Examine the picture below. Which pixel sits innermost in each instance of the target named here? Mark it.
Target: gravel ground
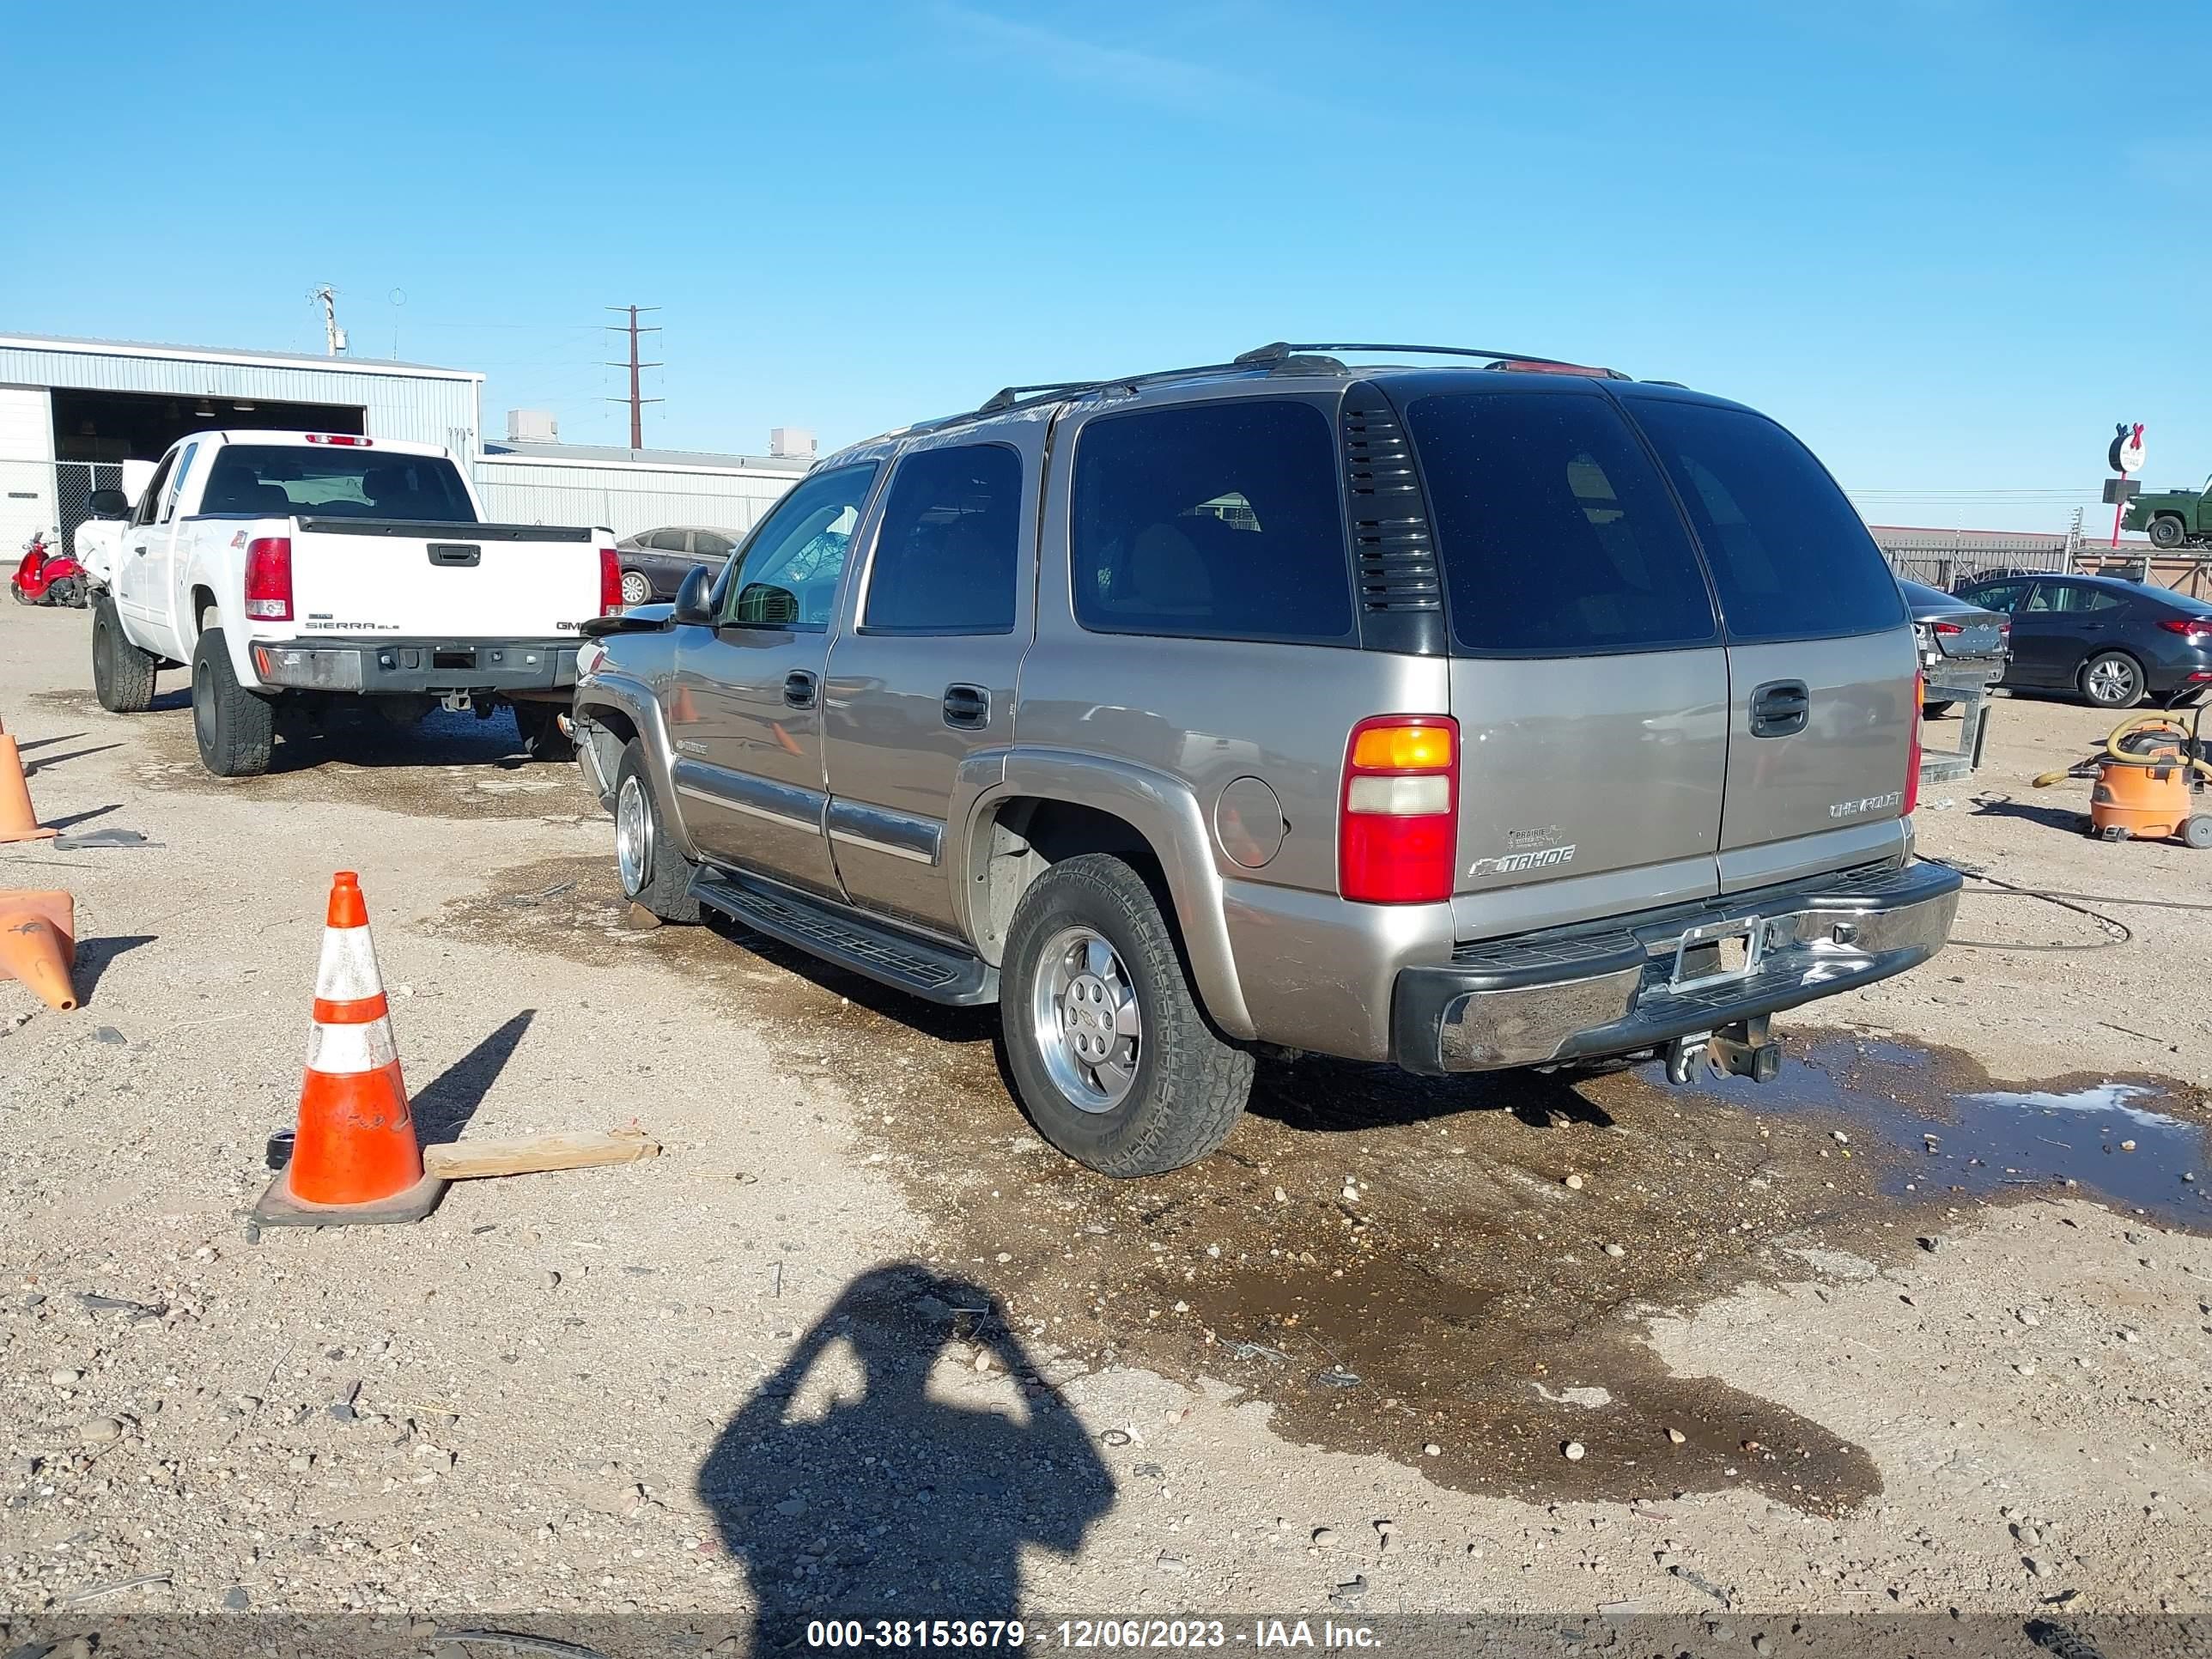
(1855, 1344)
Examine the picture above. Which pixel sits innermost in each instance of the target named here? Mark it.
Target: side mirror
(109, 504)
(692, 605)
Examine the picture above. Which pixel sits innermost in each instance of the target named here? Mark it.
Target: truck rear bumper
(415, 666)
(1533, 1001)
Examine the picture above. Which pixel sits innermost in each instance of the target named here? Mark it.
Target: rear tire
(236, 729)
(122, 674)
(1111, 1056)
(2167, 531)
(2111, 680)
(1935, 711)
(652, 871)
(538, 724)
(636, 587)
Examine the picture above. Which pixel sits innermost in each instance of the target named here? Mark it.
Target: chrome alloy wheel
(2112, 681)
(636, 589)
(1086, 1020)
(633, 835)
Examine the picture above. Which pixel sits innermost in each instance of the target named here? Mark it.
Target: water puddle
(2105, 1139)
(1393, 1263)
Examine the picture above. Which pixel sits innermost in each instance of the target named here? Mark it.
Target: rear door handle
(1780, 708)
(799, 687)
(968, 707)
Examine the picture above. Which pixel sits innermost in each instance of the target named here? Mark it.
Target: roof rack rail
(1280, 352)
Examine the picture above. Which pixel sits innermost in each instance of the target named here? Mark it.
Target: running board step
(868, 947)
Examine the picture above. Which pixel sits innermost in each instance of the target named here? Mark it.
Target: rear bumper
(1531, 1001)
(414, 666)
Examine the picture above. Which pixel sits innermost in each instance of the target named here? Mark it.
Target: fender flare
(1160, 808)
(635, 698)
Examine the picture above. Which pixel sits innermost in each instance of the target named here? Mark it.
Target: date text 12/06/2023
(1107, 1634)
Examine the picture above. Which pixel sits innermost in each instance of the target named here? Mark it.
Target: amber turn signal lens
(1402, 749)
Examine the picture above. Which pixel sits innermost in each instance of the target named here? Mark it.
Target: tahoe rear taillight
(1398, 824)
(269, 578)
(610, 582)
(1912, 753)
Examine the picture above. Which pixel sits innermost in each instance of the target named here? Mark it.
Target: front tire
(2167, 530)
(1111, 1053)
(538, 726)
(653, 872)
(2112, 679)
(1935, 711)
(636, 587)
(122, 674)
(236, 729)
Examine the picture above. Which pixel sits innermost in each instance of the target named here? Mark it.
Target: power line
(637, 402)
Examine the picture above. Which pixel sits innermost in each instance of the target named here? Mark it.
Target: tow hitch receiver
(1743, 1049)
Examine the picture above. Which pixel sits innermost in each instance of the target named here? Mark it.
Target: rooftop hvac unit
(794, 443)
(533, 425)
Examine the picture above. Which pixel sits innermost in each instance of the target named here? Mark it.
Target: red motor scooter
(47, 575)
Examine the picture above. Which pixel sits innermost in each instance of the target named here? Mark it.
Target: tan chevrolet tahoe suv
(1502, 714)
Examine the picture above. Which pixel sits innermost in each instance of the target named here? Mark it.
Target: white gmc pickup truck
(291, 567)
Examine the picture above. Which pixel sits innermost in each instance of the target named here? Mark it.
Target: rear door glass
(1790, 554)
(2000, 596)
(1557, 536)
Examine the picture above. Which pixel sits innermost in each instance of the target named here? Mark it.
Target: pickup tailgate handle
(968, 707)
(799, 689)
(1780, 708)
(456, 554)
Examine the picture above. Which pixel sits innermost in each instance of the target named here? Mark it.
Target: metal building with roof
(72, 411)
(628, 490)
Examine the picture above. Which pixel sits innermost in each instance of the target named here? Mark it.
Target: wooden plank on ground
(562, 1149)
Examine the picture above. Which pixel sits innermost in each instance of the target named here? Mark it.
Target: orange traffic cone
(17, 821)
(354, 1158)
(38, 943)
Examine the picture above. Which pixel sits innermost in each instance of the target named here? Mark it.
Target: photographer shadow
(865, 1492)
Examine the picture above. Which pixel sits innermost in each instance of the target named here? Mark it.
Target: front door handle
(1780, 708)
(798, 688)
(140, 549)
(967, 706)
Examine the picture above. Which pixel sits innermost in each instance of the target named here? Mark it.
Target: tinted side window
(2070, 599)
(1557, 535)
(789, 576)
(669, 541)
(1790, 554)
(1997, 596)
(946, 557)
(1211, 521)
(709, 544)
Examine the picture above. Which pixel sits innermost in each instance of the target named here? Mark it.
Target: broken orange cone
(38, 943)
(354, 1158)
(17, 821)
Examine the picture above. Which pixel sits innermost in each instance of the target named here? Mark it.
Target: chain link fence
(41, 497)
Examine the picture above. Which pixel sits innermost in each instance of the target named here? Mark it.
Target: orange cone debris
(17, 821)
(37, 944)
(354, 1158)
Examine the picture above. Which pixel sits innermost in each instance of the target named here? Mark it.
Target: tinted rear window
(284, 480)
(1557, 535)
(1211, 521)
(1790, 554)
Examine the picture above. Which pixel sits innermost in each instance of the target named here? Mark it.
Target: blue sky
(1949, 241)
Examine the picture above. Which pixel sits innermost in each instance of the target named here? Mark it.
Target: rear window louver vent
(1391, 544)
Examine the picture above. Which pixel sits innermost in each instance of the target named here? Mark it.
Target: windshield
(284, 481)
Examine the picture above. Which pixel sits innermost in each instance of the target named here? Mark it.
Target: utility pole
(334, 337)
(636, 401)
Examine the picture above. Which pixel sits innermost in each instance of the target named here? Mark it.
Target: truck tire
(233, 727)
(2167, 531)
(1111, 1056)
(2112, 679)
(122, 674)
(653, 872)
(538, 726)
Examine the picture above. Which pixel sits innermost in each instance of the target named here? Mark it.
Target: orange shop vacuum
(2149, 781)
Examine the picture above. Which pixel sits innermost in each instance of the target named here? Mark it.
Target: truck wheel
(653, 873)
(1110, 1054)
(2167, 531)
(2112, 679)
(235, 726)
(538, 726)
(122, 674)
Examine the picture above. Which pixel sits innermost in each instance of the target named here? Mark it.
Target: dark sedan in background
(655, 562)
(2105, 639)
